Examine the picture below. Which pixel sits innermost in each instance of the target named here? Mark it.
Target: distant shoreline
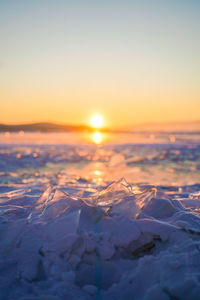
(179, 128)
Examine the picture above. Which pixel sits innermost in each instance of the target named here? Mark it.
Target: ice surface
(71, 228)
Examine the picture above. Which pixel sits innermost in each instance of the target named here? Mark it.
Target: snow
(64, 235)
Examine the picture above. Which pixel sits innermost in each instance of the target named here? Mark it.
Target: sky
(130, 61)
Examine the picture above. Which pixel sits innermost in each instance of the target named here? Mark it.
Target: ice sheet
(110, 222)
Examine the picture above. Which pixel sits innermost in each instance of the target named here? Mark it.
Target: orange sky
(130, 62)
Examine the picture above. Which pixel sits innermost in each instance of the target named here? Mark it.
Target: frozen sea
(100, 216)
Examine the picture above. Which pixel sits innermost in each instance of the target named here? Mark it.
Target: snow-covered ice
(111, 222)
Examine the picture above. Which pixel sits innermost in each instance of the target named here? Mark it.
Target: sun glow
(97, 121)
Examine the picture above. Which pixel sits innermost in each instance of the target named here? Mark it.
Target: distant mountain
(42, 127)
(146, 127)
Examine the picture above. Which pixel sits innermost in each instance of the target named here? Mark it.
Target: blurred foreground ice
(70, 228)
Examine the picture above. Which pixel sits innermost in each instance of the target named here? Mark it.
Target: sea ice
(64, 235)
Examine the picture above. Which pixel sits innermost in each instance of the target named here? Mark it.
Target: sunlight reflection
(97, 137)
(97, 174)
(172, 138)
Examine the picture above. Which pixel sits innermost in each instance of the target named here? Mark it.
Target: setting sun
(97, 121)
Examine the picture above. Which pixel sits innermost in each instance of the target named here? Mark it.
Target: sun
(96, 121)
